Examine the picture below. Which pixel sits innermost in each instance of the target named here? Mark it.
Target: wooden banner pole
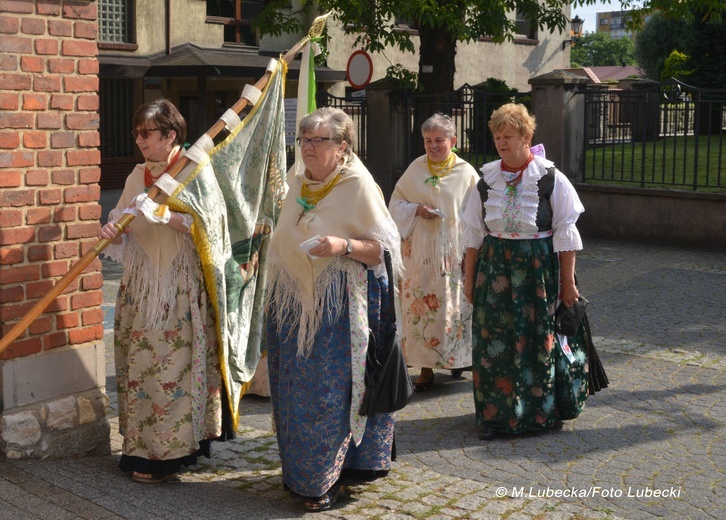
(315, 30)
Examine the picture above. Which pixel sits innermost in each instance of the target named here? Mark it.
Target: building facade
(201, 53)
(615, 24)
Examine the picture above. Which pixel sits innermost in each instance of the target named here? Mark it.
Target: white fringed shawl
(299, 287)
(438, 241)
(154, 256)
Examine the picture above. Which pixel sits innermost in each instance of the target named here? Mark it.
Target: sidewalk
(652, 445)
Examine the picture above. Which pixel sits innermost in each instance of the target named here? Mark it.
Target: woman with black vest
(521, 239)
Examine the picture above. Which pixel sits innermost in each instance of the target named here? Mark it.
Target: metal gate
(668, 135)
(357, 112)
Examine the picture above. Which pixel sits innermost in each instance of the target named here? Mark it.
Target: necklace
(149, 179)
(512, 184)
(439, 169)
(308, 198)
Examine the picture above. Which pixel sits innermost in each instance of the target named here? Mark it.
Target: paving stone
(659, 326)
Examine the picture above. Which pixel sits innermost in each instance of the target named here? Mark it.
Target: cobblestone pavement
(652, 445)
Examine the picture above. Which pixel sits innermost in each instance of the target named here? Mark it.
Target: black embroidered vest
(545, 186)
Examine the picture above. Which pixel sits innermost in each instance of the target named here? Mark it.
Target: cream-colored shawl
(299, 286)
(160, 244)
(438, 240)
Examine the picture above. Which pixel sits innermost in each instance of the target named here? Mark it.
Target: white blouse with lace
(515, 211)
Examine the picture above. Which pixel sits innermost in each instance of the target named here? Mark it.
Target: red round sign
(359, 69)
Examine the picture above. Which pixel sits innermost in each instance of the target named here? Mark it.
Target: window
(236, 16)
(525, 28)
(116, 110)
(604, 21)
(407, 22)
(115, 21)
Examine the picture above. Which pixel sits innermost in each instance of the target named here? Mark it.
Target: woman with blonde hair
(521, 237)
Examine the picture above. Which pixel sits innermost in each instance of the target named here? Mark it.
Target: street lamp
(576, 25)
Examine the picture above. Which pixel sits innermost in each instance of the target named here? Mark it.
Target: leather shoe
(326, 501)
(487, 434)
(557, 426)
(422, 387)
(457, 372)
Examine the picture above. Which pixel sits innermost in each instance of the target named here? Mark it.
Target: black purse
(388, 385)
(568, 319)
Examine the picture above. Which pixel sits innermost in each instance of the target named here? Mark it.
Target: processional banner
(235, 195)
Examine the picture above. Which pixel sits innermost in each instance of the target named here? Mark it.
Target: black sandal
(326, 501)
(422, 387)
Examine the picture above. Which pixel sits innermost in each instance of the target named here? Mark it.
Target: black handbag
(568, 319)
(388, 385)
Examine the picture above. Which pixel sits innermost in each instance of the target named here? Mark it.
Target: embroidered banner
(235, 195)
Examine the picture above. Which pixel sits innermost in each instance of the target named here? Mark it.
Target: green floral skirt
(522, 379)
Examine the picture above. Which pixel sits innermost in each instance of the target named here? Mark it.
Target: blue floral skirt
(311, 402)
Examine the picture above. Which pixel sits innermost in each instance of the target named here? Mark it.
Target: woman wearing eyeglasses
(327, 289)
(167, 367)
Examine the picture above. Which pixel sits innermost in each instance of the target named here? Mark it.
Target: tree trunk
(436, 60)
(436, 76)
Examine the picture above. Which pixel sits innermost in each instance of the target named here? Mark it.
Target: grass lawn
(680, 162)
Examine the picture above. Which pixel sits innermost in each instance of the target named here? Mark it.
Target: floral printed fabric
(435, 316)
(169, 381)
(436, 319)
(522, 380)
(311, 400)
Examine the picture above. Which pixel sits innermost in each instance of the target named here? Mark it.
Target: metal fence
(470, 108)
(668, 135)
(357, 112)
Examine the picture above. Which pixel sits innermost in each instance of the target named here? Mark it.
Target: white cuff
(251, 94)
(167, 184)
(199, 150)
(187, 220)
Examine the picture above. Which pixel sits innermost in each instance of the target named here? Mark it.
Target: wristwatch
(349, 248)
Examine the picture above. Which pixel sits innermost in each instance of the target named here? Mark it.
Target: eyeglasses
(144, 132)
(315, 141)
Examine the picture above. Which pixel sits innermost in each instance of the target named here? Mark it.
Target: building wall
(613, 22)
(52, 376)
(514, 63)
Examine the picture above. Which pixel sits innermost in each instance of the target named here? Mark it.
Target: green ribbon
(433, 179)
(304, 203)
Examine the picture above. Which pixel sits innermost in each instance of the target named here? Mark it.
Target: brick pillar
(52, 377)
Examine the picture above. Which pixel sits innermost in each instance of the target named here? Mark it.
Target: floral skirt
(522, 379)
(435, 316)
(169, 381)
(311, 404)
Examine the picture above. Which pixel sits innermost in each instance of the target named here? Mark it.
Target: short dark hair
(162, 113)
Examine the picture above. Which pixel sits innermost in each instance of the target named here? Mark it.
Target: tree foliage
(597, 49)
(702, 42)
(656, 40)
(442, 24)
(676, 66)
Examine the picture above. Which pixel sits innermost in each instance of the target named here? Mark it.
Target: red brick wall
(49, 170)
